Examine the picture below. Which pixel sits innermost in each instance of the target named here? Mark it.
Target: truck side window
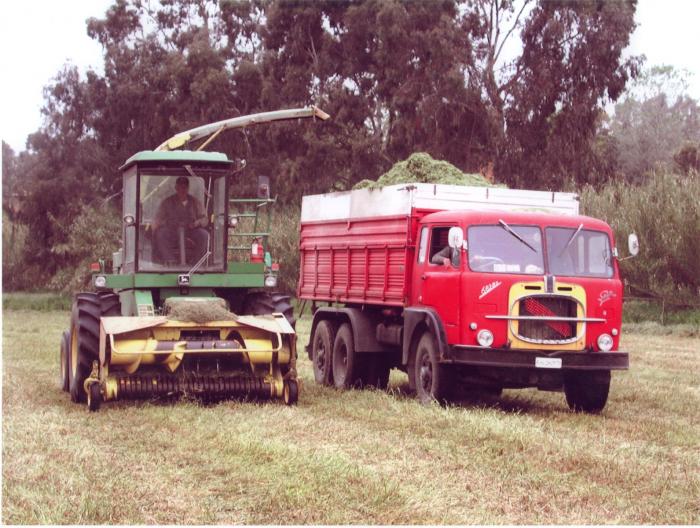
(423, 245)
(440, 248)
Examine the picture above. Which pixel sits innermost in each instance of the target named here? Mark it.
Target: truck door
(435, 283)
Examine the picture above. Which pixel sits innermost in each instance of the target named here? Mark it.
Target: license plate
(548, 362)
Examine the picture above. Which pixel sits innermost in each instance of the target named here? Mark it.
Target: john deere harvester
(189, 307)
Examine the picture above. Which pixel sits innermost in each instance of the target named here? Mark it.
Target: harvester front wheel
(94, 397)
(64, 380)
(85, 336)
(290, 392)
(263, 303)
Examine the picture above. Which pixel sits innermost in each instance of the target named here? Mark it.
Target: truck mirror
(633, 244)
(455, 237)
(263, 187)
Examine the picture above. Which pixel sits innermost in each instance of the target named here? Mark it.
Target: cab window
(423, 245)
(440, 248)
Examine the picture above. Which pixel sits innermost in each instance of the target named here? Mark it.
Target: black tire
(85, 336)
(290, 392)
(587, 391)
(63, 358)
(376, 371)
(432, 378)
(344, 364)
(264, 303)
(322, 352)
(94, 397)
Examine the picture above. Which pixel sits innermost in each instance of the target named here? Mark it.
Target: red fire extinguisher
(257, 251)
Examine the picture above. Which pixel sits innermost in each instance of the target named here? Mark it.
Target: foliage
(38, 301)
(397, 76)
(687, 158)
(422, 168)
(284, 246)
(665, 214)
(656, 125)
(94, 234)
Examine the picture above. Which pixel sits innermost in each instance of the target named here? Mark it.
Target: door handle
(423, 277)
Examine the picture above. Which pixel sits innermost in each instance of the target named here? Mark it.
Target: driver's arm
(441, 256)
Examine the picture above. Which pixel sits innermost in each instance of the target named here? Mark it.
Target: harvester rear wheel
(263, 303)
(64, 380)
(85, 336)
(322, 351)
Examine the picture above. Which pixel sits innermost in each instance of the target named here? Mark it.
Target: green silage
(421, 167)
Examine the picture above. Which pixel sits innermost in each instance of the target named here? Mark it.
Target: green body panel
(166, 293)
(169, 280)
(245, 267)
(143, 299)
(176, 155)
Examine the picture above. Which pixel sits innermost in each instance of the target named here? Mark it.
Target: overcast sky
(36, 41)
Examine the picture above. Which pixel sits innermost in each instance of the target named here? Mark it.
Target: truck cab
(521, 281)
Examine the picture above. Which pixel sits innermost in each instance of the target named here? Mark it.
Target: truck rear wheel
(432, 378)
(64, 380)
(85, 336)
(322, 351)
(344, 364)
(587, 391)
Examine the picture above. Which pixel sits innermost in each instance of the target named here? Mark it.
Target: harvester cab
(189, 307)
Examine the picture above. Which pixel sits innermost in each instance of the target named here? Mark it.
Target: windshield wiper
(571, 239)
(516, 235)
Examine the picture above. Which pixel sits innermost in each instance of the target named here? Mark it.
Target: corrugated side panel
(362, 261)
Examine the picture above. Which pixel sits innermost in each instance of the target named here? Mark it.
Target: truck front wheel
(322, 351)
(587, 391)
(432, 378)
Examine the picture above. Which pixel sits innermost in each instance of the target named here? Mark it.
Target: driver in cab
(180, 210)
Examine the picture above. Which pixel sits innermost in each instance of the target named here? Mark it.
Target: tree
(544, 104)
(650, 127)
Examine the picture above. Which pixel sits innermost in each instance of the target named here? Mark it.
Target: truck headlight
(232, 220)
(485, 338)
(100, 281)
(605, 342)
(270, 281)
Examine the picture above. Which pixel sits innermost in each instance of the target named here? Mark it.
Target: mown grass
(351, 457)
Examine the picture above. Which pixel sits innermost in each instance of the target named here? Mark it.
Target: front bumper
(494, 357)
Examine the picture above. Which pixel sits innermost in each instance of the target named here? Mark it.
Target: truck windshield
(501, 249)
(579, 252)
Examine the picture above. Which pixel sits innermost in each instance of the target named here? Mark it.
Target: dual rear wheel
(336, 361)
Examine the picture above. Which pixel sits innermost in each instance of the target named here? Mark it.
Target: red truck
(479, 288)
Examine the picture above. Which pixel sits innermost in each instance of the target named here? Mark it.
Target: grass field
(351, 457)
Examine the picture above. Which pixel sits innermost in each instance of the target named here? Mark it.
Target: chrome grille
(545, 330)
